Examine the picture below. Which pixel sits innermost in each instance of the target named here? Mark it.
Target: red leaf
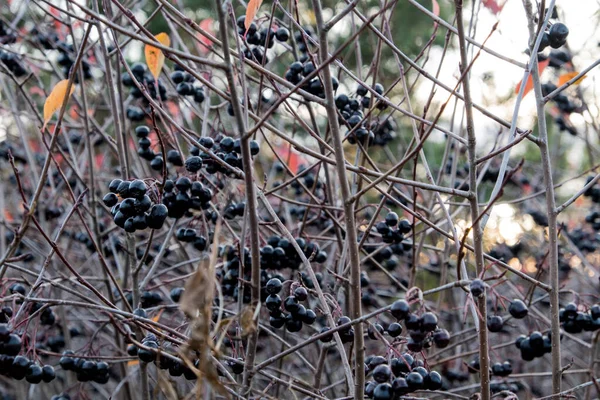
(436, 10)
(494, 6)
(529, 85)
(205, 42)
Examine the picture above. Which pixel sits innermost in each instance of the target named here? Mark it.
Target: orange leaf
(56, 98)
(253, 6)
(564, 78)
(154, 56)
(529, 85)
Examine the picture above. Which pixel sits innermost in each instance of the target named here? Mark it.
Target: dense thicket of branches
(295, 205)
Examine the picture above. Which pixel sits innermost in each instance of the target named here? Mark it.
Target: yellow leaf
(56, 99)
(564, 78)
(155, 59)
(253, 6)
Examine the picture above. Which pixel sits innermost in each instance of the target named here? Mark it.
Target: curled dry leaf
(56, 99)
(196, 302)
(247, 320)
(154, 56)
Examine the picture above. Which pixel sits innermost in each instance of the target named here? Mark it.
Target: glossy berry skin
(394, 329)
(402, 365)
(282, 34)
(495, 323)
(477, 288)
(174, 158)
(415, 381)
(433, 381)
(518, 309)
(382, 373)
(400, 386)
(34, 374)
(176, 293)
(326, 338)
(48, 373)
(383, 391)
(429, 322)
(391, 219)
(441, 338)
(400, 309)
(273, 286)
(110, 199)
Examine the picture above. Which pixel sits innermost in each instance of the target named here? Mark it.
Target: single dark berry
(273, 286)
(433, 381)
(382, 373)
(441, 338)
(176, 293)
(477, 287)
(394, 329)
(495, 323)
(110, 199)
(518, 309)
(400, 309)
(415, 381)
(174, 158)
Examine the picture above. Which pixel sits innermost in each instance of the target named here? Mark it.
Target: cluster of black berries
(382, 255)
(188, 235)
(310, 180)
(406, 375)
(563, 103)
(183, 194)
(136, 211)
(149, 354)
(594, 194)
(234, 210)
(19, 367)
(574, 321)
(502, 369)
(279, 253)
(380, 131)
(534, 346)
(185, 84)
(144, 150)
(423, 330)
(298, 72)
(585, 240)
(346, 334)
(7, 35)
(298, 313)
(11, 61)
(85, 369)
(392, 230)
(145, 79)
(10, 343)
(260, 41)
(555, 37)
(227, 149)
(150, 299)
(66, 54)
